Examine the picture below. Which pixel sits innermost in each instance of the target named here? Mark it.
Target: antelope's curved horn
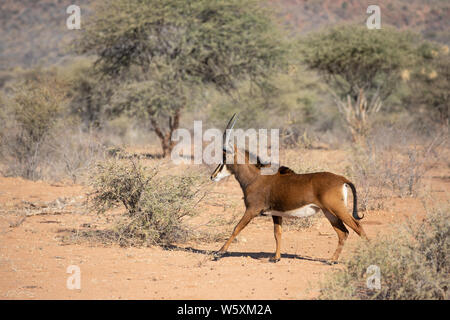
(227, 132)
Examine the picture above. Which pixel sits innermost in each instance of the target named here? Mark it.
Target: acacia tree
(362, 66)
(430, 86)
(158, 51)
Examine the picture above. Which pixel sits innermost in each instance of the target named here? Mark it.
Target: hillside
(429, 17)
(33, 32)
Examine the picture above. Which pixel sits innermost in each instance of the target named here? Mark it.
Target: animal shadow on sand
(253, 255)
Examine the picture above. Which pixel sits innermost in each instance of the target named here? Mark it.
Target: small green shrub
(155, 205)
(39, 140)
(414, 264)
(31, 116)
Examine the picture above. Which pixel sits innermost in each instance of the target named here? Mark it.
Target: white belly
(302, 212)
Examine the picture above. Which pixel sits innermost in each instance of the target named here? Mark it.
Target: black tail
(355, 202)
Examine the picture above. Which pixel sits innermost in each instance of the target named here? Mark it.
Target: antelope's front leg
(248, 216)
(277, 222)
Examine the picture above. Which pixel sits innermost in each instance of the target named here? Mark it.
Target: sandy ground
(34, 260)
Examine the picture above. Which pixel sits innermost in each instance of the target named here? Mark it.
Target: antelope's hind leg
(337, 213)
(341, 231)
(277, 230)
(354, 225)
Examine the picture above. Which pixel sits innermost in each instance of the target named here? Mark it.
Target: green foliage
(157, 52)
(30, 117)
(362, 66)
(413, 262)
(353, 57)
(289, 101)
(89, 93)
(212, 41)
(36, 109)
(40, 138)
(155, 206)
(431, 86)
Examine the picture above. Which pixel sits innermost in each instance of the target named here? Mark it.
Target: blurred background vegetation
(139, 69)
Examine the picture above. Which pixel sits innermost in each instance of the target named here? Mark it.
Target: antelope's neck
(246, 174)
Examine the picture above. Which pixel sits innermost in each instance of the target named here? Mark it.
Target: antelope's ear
(261, 164)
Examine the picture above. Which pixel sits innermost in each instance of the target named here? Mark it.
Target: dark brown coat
(285, 192)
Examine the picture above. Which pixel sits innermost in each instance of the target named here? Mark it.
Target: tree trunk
(165, 136)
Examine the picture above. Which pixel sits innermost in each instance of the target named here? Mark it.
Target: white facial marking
(222, 174)
(302, 212)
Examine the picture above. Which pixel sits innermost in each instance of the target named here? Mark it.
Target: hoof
(217, 255)
(274, 260)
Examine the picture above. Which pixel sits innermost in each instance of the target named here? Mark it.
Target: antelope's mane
(261, 164)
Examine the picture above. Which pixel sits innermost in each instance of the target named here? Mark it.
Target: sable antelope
(287, 194)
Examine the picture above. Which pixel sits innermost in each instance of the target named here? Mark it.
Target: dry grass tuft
(155, 206)
(413, 263)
